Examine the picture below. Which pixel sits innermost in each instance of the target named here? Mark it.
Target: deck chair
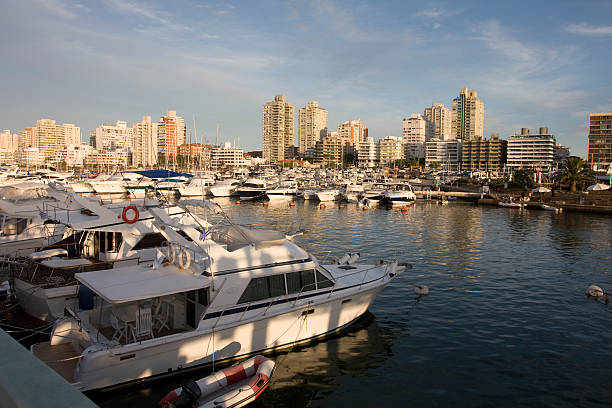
(160, 318)
(120, 329)
(142, 329)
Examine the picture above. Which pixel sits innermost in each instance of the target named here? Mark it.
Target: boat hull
(313, 319)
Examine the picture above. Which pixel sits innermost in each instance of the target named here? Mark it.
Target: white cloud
(436, 26)
(148, 12)
(437, 13)
(585, 29)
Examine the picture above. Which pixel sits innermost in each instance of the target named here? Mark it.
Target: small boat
(548, 208)
(236, 386)
(510, 204)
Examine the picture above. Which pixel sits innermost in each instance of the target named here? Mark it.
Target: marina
(506, 309)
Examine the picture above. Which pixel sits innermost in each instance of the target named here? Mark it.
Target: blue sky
(533, 63)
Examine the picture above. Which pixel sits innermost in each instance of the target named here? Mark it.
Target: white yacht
(251, 188)
(225, 188)
(286, 190)
(223, 293)
(399, 194)
(328, 195)
(197, 187)
(352, 192)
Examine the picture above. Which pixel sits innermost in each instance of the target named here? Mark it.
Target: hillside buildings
(467, 116)
(600, 140)
(278, 129)
(531, 150)
(312, 125)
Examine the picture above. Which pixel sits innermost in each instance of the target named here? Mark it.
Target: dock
(27, 382)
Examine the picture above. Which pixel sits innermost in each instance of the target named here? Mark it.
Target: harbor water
(506, 322)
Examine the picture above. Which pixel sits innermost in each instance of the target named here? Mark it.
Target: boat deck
(62, 358)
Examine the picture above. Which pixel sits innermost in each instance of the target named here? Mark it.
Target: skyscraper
(50, 138)
(278, 129)
(312, 121)
(144, 153)
(354, 131)
(171, 133)
(111, 137)
(439, 122)
(413, 135)
(600, 140)
(467, 116)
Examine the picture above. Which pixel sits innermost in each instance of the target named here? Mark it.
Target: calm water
(506, 322)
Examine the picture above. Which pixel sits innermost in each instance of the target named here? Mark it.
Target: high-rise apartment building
(312, 125)
(483, 155)
(171, 133)
(390, 149)
(278, 129)
(353, 131)
(367, 153)
(111, 137)
(439, 122)
(467, 116)
(531, 151)
(445, 153)
(332, 149)
(414, 131)
(144, 150)
(600, 140)
(49, 137)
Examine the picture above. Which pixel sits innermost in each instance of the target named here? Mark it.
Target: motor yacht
(225, 188)
(251, 188)
(215, 294)
(399, 194)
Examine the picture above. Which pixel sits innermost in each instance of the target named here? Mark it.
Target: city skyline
(90, 64)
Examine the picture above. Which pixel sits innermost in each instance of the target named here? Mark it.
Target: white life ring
(184, 259)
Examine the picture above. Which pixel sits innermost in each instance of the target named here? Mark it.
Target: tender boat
(235, 387)
(214, 294)
(510, 204)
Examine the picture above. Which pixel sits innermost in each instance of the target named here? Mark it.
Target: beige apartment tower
(312, 123)
(439, 122)
(467, 116)
(278, 129)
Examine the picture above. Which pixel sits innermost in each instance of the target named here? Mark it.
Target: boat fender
(184, 259)
(594, 291)
(353, 258)
(134, 218)
(344, 258)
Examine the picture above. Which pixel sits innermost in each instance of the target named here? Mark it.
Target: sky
(533, 63)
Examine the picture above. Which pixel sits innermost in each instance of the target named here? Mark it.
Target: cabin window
(302, 281)
(263, 288)
(153, 240)
(323, 281)
(14, 226)
(109, 241)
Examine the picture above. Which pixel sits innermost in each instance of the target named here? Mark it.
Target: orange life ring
(124, 214)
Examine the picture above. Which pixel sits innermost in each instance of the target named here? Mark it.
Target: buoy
(101, 202)
(607, 299)
(237, 202)
(421, 290)
(341, 206)
(404, 209)
(594, 291)
(365, 207)
(266, 203)
(322, 205)
(291, 204)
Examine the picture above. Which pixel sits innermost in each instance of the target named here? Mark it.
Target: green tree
(401, 163)
(574, 173)
(434, 165)
(523, 178)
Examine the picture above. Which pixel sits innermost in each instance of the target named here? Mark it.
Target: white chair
(119, 327)
(143, 326)
(161, 316)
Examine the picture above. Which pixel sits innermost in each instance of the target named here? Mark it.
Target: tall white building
(144, 149)
(414, 131)
(467, 116)
(49, 137)
(367, 153)
(390, 149)
(353, 131)
(531, 151)
(446, 153)
(278, 132)
(312, 125)
(9, 144)
(111, 137)
(439, 121)
(75, 154)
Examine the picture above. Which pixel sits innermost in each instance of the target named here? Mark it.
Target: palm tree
(572, 172)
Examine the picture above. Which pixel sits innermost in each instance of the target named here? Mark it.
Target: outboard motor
(190, 393)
